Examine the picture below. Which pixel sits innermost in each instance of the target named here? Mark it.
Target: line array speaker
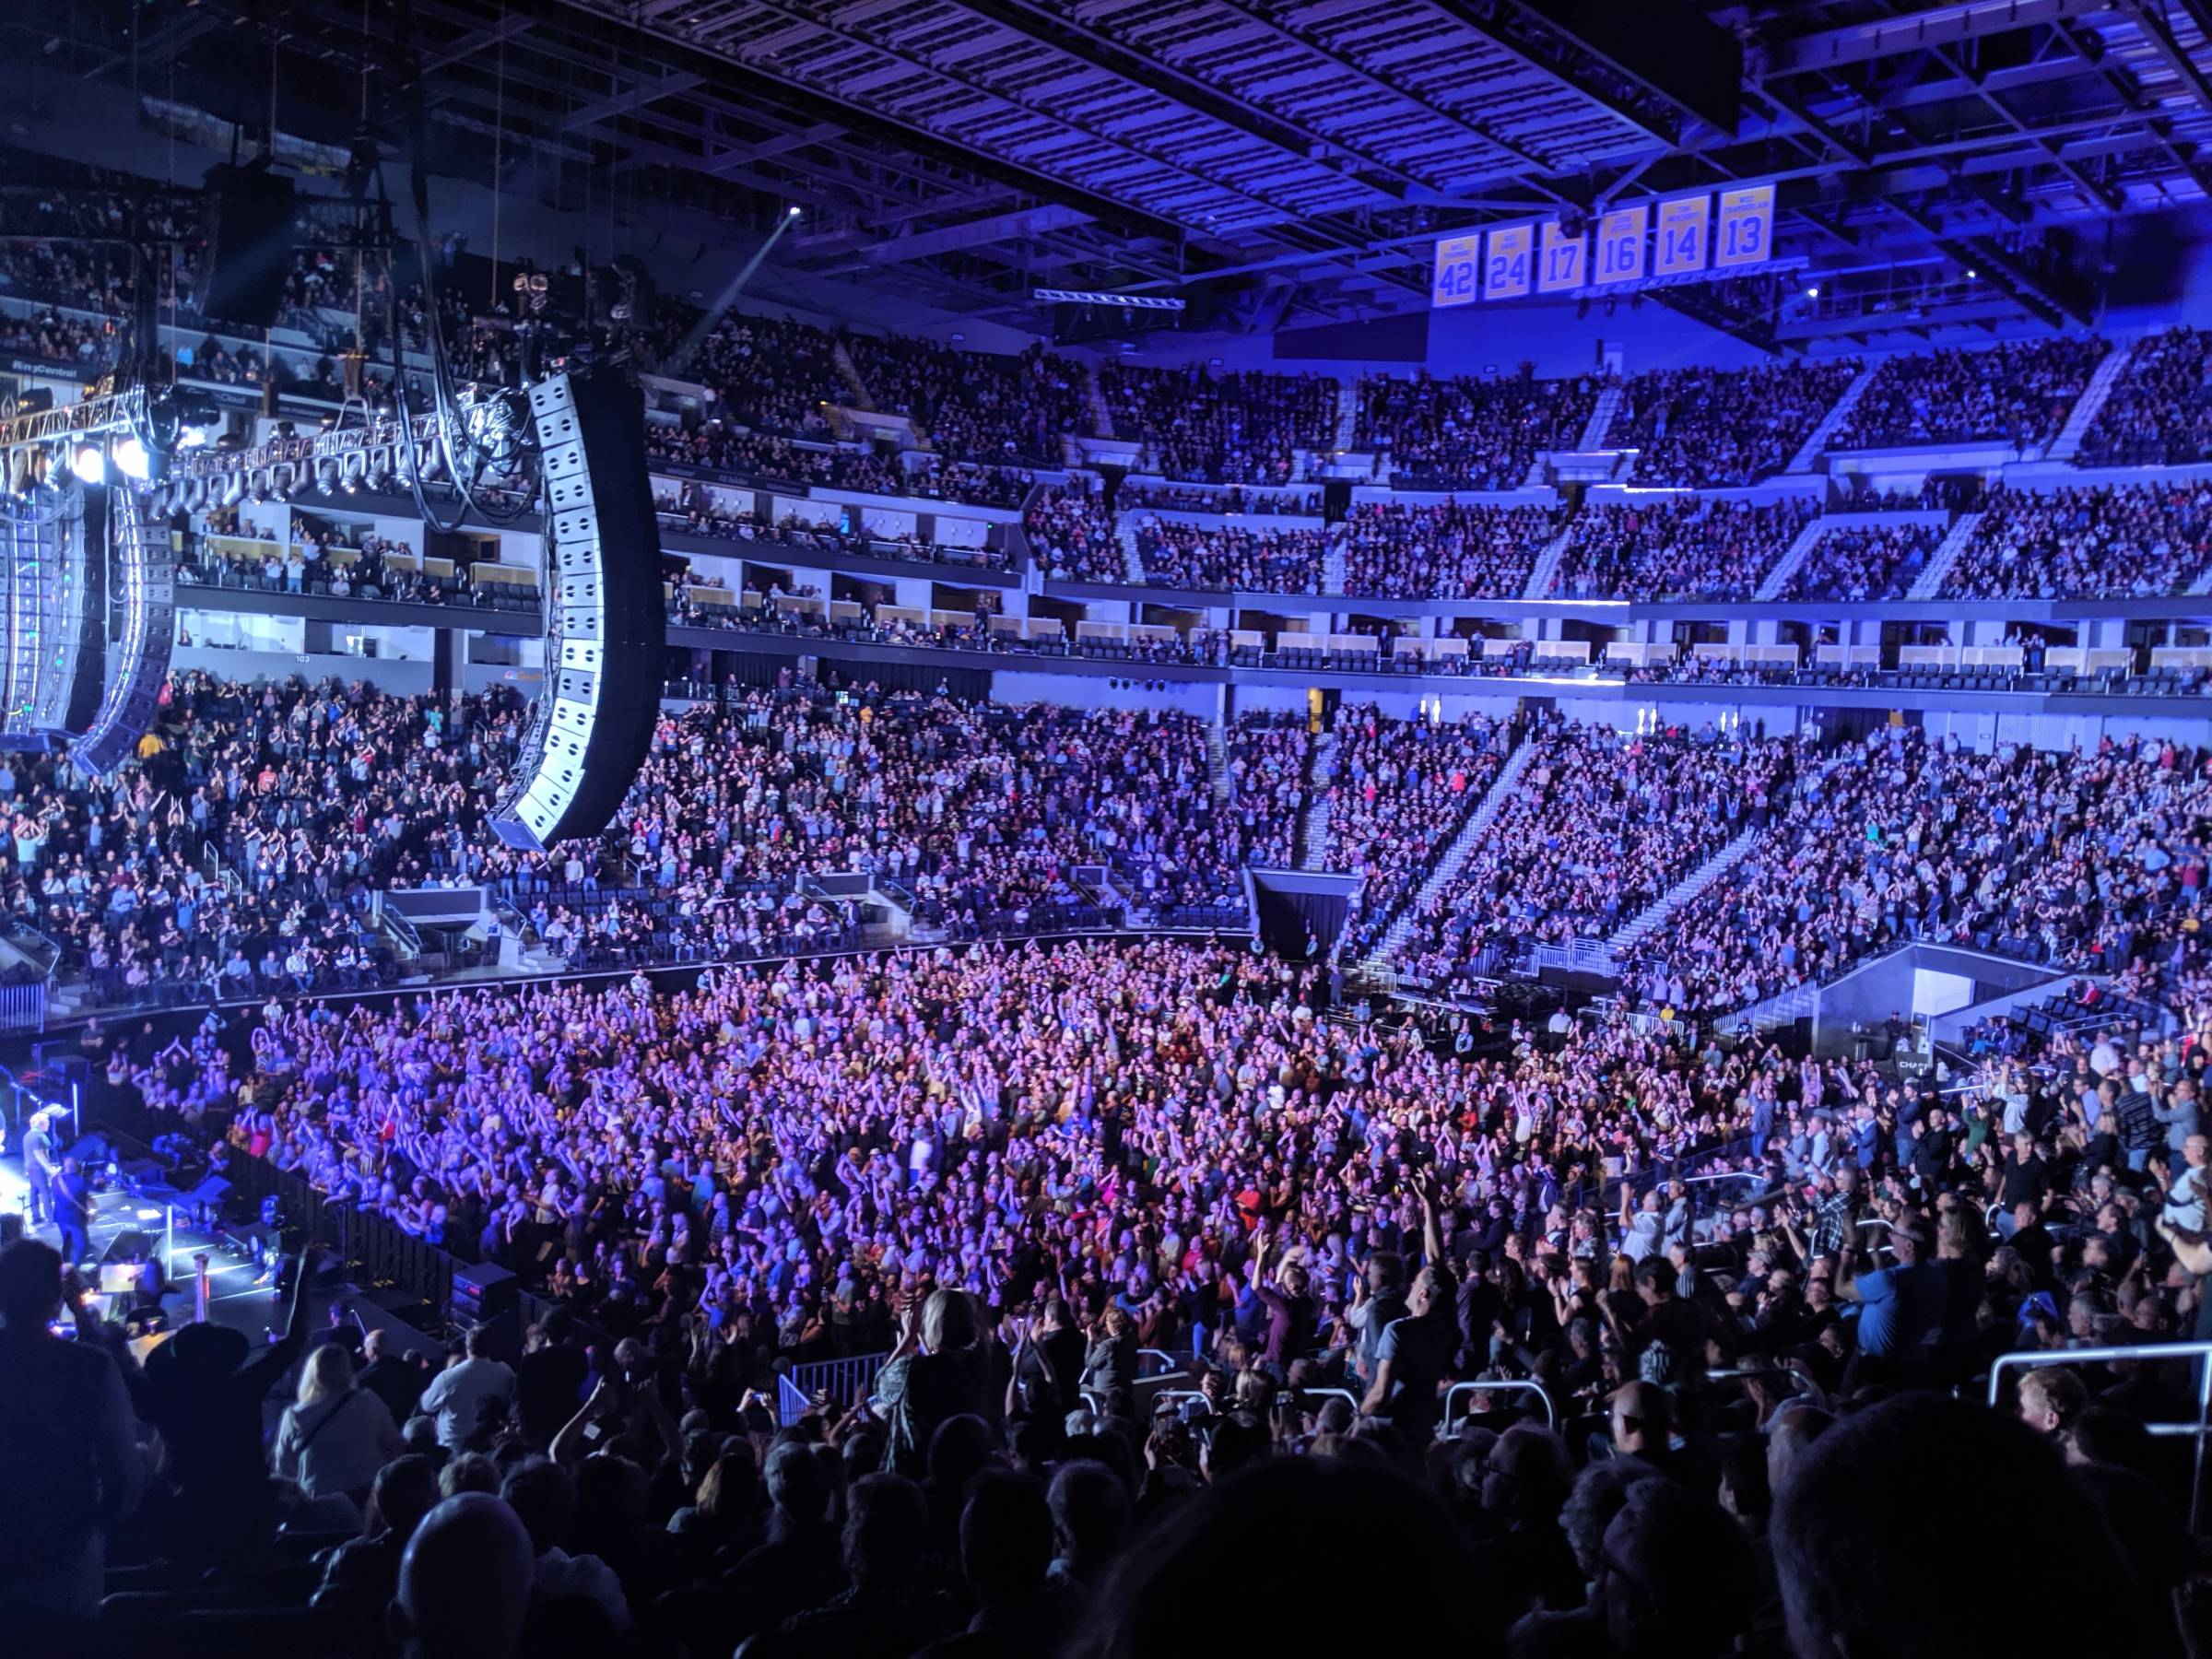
(249, 244)
(606, 627)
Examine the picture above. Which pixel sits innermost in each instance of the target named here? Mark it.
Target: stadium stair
(1133, 564)
(1347, 418)
(1807, 458)
(1377, 962)
(1101, 417)
(1547, 571)
(849, 373)
(1217, 763)
(1929, 585)
(1782, 1009)
(1331, 562)
(1778, 578)
(1314, 842)
(1641, 927)
(1601, 418)
(2089, 405)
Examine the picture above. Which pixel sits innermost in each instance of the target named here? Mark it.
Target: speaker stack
(606, 627)
(248, 246)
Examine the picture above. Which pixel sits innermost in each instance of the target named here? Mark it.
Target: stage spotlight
(131, 459)
(792, 212)
(1813, 292)
(86, 464)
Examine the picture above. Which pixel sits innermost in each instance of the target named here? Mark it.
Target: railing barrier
(2201, 1352)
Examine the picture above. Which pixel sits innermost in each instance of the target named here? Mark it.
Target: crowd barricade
(1500, 1385)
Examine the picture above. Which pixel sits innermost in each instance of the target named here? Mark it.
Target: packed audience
(1401, 792)
(2137, 540)
(1862, 564)
(1677, 547)
(1597, 828)
(2019, 392)
(1724, 427)
(1240, 427)
(1009, 1173)
(767, 374)
(1072, 535)
(1232, 557)
(1466, 433)
(2076, 860)
(2159, 412)
(979, 406)
(1233, 500)
(1448, 550)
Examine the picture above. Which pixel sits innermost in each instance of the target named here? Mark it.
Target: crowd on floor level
(1014, 1172)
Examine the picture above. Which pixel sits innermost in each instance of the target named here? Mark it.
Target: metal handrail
(1508, 1385)
(2199, 1352)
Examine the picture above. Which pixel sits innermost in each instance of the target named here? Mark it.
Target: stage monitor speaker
(126, 1245)
(482, 1291)
(607, 625)
(248, 212)
(11, 1226)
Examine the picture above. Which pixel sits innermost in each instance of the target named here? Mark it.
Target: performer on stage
(39, 1165)
(72, 1196)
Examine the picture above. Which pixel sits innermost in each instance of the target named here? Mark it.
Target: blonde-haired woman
(939, 1370)
(335, 1435)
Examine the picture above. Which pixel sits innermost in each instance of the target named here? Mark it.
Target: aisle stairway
(2083, 416)
(1601, 418)
(1778, 578)
(1216, 762)
(1314, 842)
(1332, 561)
(1347, 418)
(1653, 916)
(1807, 458)
(848, 371)
(1376, 963)
(1101, 418)
(1929, 585)
(1547, 570)
(1133, 564)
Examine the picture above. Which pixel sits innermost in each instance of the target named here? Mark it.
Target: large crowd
(1471, 432)
(1240, 426)
(977, 404)
(1724, 427)
(2133, 540)
(1597, 828)
(1027, 1176)
(1677, 547)
(2018, 394)
(1446, 550)
(2159, 412)
(1864, 563)
(1229, 557)
(2090, 861)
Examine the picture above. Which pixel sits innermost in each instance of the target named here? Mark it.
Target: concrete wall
(1869, 996)
(405, 680)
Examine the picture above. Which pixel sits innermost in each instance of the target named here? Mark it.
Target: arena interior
(972, 828)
